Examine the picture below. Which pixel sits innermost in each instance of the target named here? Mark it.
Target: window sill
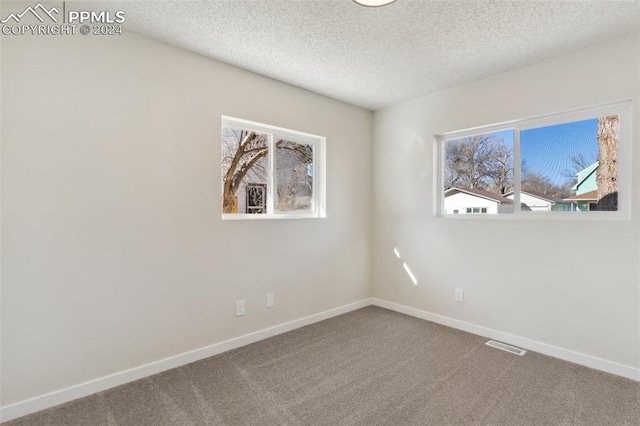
(273, 216)
(542, 216)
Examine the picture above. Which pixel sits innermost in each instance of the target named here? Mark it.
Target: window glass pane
(478, 173)
(571, 166)
(245, 171)
(294, 176)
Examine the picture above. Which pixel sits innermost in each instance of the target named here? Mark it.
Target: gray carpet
(368, 367)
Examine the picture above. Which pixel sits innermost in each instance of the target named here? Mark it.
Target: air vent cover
(505, 347)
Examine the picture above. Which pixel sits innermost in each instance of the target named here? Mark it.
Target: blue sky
(548, 150)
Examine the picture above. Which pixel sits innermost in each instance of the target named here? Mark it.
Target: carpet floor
(367, 367)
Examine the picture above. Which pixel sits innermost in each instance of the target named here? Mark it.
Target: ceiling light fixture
(373, 3)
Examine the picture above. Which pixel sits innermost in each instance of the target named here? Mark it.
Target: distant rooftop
(540, 195)
(587, 196)
(480, 193)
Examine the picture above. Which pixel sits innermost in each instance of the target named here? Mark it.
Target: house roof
(540, 195)
(479, 193)
(587, 196)
(584, 174)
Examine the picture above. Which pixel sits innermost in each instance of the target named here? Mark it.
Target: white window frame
(318, 201)
(625, 137)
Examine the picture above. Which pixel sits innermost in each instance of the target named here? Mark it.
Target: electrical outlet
(239, 308)
(271, 300)
(458, 295)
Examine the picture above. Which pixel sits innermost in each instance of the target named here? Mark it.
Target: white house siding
(294, 181)
(461, 201)
(535, 204)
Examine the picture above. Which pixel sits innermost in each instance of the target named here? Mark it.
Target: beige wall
(113, 251)
(114, 254)
(588, 301)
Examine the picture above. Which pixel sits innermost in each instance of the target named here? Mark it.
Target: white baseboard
(533, 345)
(61, 396)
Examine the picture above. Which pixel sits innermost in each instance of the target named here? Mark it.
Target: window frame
(318, 199)
(621, 108)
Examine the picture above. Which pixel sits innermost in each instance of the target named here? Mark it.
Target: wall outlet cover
(270, 300)
(239, 308)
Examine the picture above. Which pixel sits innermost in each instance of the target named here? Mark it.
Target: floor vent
(505, 347)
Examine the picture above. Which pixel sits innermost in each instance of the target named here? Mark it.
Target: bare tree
(242, 150)
(478, 162)
(242, 153)
(579, 162)
(608, 162)
(582, 161)
(294, 180)
(502, 175)
(534, 182)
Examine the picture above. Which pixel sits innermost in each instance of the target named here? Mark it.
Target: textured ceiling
(374, 57)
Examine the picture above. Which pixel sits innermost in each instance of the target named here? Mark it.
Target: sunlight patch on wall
(413, 278)
(406, 267)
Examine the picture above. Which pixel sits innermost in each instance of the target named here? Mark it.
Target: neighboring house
(475, 201)
(583, 202)
(293, 181)
(537, 201)
(587, 180)
(294, 177)
(251, 196)
(585, 191)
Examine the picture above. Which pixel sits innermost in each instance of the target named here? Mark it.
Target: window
(270, 172)
(565, 162)
(473, 210)
(256, 200)
(477, 170)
